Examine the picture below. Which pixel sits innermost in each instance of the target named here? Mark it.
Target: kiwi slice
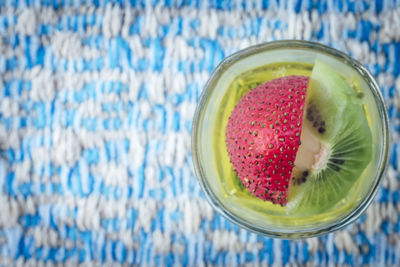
(336, 144)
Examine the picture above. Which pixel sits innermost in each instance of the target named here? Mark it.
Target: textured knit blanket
(96, 106)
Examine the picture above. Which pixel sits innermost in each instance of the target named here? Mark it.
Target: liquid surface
(232, 187)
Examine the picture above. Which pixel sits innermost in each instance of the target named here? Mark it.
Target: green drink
(226, 192)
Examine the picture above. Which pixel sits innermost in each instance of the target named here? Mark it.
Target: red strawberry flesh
(263, 136)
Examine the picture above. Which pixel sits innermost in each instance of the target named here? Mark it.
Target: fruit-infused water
(237, 75)
(230, 184)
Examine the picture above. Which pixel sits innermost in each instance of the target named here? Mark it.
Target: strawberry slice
(263, 136)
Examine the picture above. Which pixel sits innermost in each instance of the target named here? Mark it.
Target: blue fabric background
(96, 104)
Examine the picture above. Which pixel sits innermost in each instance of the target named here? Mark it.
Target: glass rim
(291, 44)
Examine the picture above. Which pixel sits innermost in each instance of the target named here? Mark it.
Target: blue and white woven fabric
(96, 105)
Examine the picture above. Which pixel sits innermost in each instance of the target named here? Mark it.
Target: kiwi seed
(338, 161)
(334, 167)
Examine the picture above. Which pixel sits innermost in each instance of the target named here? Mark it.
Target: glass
(210, 160)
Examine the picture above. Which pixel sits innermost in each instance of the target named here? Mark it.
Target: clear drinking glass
(212, 164)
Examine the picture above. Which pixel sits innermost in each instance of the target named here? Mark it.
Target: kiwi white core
(312, 153)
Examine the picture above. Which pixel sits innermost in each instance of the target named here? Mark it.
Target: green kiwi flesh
(335, 116)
